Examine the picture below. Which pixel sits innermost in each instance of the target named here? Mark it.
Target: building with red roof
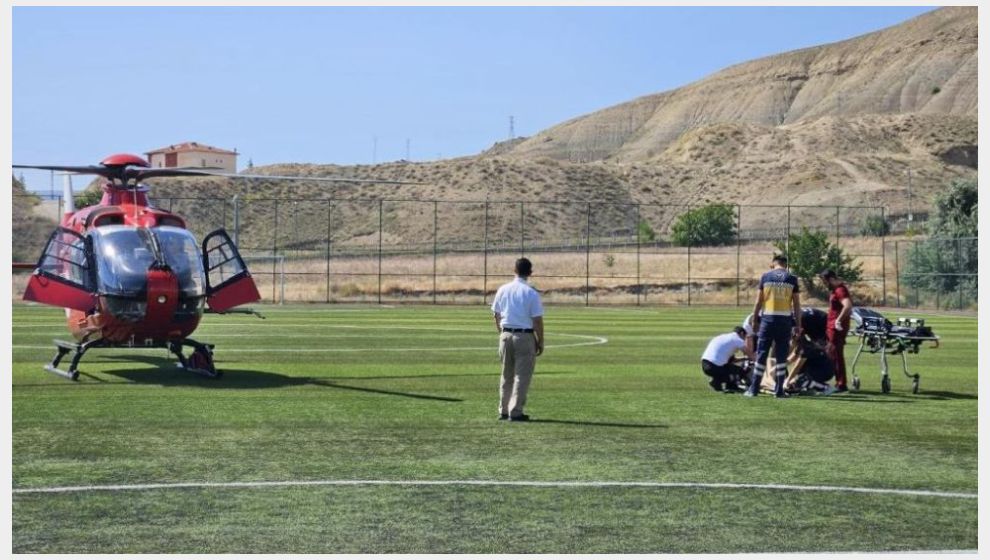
(193, 154)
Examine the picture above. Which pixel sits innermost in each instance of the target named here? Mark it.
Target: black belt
(517, 330)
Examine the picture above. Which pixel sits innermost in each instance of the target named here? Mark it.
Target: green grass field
(323, 393)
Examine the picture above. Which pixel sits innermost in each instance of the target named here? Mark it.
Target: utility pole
(374, 149)
(407, 149)
(512, 127)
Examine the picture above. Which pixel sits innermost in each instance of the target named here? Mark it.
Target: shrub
(875, 226)
(645, 232)
(714, 224)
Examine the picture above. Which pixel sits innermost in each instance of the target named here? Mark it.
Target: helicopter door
(64, 275)
(228, 282)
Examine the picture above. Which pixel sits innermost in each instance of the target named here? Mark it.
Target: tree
(810, 252)
(710, 225)
(88, 197)
(947, 262)
(955, 212)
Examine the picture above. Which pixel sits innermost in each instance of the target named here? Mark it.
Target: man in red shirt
(837, 325)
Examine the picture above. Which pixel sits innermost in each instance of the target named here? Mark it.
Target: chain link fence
(584, 252)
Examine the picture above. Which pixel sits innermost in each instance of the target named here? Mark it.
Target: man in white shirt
(717, 361)
(519, 320)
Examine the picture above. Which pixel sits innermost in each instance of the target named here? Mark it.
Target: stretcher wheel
(885, 384)
(855, 383)
(916, 384)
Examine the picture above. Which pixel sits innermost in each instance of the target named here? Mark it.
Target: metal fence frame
(587, 238)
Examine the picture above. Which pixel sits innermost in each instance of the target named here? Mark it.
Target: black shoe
(520, 418)
(715, 385)
(503, 416)
(781, 396)
(733, 388)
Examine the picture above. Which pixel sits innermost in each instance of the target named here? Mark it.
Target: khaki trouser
(518, 353)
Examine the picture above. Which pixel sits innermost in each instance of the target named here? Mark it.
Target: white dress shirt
(517, 303)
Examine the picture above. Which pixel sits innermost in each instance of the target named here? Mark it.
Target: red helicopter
(131, 275)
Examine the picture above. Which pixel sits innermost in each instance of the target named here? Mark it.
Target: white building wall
(225, 162)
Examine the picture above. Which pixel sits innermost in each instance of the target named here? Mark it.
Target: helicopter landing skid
(62, 348)
(200, 361)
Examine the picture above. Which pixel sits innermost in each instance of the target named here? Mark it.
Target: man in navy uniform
(778, 304)
(519, 320)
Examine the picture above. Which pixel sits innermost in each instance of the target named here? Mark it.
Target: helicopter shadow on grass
(165, 372)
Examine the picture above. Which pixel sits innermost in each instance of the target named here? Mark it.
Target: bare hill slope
(926, 65)
(850, 123)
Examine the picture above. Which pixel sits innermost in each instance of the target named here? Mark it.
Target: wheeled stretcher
(880, 336)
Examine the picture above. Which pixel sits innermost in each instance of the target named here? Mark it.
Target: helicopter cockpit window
(124, 254)
(182, 255)
(123, 257)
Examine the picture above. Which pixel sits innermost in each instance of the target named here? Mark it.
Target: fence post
(883, 256)
(274, 248)
(329, 247)
(738, 253)
(639, 284)
(690, 242)
(435, 205)
(380, 229)
(938, 281)
(522, 229)
(787, 233)
(897, 270)
(958, 278)
(237, 220)
(484, 290)
(587, 258)
(837, 233)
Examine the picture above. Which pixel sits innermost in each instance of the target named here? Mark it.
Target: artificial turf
(327, 393)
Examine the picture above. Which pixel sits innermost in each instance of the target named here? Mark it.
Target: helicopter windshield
(125, 253)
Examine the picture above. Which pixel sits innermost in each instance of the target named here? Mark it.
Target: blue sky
(319, 85)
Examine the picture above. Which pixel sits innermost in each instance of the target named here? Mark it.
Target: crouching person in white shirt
(718, 361)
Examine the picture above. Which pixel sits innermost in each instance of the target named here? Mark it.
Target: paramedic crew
(519, 320)
(837, 325)
(717, 361)
(778, 305)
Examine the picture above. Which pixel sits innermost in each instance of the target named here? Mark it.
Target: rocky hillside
(849, 123)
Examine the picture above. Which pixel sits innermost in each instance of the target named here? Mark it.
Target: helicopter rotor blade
(141, 174)
(80, 169)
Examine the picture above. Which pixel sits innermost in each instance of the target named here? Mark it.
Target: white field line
(492, 483)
